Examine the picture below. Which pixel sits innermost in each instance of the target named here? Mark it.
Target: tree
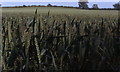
(83, 4)
(95, 6)
(117, 5)
(49, 5)
(24, 5)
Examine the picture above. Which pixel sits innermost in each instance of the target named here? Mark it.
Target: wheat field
(60, 39)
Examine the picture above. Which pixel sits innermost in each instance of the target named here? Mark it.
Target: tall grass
(60, 42)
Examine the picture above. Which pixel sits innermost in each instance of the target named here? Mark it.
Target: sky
(58, 0)
(101, 3)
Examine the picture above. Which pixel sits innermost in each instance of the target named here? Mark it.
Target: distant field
(59, 10)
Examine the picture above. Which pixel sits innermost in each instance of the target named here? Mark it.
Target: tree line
(84, 5)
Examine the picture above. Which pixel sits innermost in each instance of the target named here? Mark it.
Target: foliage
(83, 4)
(24, 5)
(49, 5)
(95, 6)
(117, 5)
